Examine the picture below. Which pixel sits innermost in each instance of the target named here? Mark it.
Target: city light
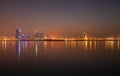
(44, 37)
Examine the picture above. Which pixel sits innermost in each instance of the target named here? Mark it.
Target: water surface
(59, 55)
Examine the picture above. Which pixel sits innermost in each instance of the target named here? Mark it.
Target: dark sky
(56, 17)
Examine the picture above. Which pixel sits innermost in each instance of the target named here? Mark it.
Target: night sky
(59, 17)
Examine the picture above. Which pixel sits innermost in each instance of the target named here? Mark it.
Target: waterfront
(56, 55)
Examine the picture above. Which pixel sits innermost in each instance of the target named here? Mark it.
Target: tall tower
(85, 35)
(18, 33)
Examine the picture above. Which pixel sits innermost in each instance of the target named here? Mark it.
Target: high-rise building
(41, 35)
(36, 34)
(18, 33)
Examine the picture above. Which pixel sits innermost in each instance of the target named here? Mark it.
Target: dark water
(29, 56)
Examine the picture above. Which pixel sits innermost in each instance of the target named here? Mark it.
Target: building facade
(18, 33)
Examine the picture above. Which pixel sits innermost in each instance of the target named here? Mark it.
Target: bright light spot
(65, 39)
(46, 37)
(53, 38)
(110, 38)
(5, 39)
(85, 36)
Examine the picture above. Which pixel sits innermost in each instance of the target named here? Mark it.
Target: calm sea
(53, 56)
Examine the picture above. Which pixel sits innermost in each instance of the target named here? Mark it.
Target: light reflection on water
(36, 48)
(110, 44)
(118, 44)
(18, 48)
(4, 45)
(45, 52)
(84, 45)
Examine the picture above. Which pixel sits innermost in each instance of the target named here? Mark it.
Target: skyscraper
(18, 33)
(36, 34)
(41, 35)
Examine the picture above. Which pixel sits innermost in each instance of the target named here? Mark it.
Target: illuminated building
(36, 34)
(41, 35)
(18, 33)
(85, 36)
(25, 36)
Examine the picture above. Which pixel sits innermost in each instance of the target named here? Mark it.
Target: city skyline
(60, 17)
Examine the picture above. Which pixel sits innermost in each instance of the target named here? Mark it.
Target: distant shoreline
(59, 40)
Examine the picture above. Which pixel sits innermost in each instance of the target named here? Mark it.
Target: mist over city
(44, 37)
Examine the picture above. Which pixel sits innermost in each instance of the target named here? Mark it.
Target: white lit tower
(18, 33)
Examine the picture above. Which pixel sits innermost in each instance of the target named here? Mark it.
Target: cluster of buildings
(41, 36)
(20, 35)
(23, 36)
